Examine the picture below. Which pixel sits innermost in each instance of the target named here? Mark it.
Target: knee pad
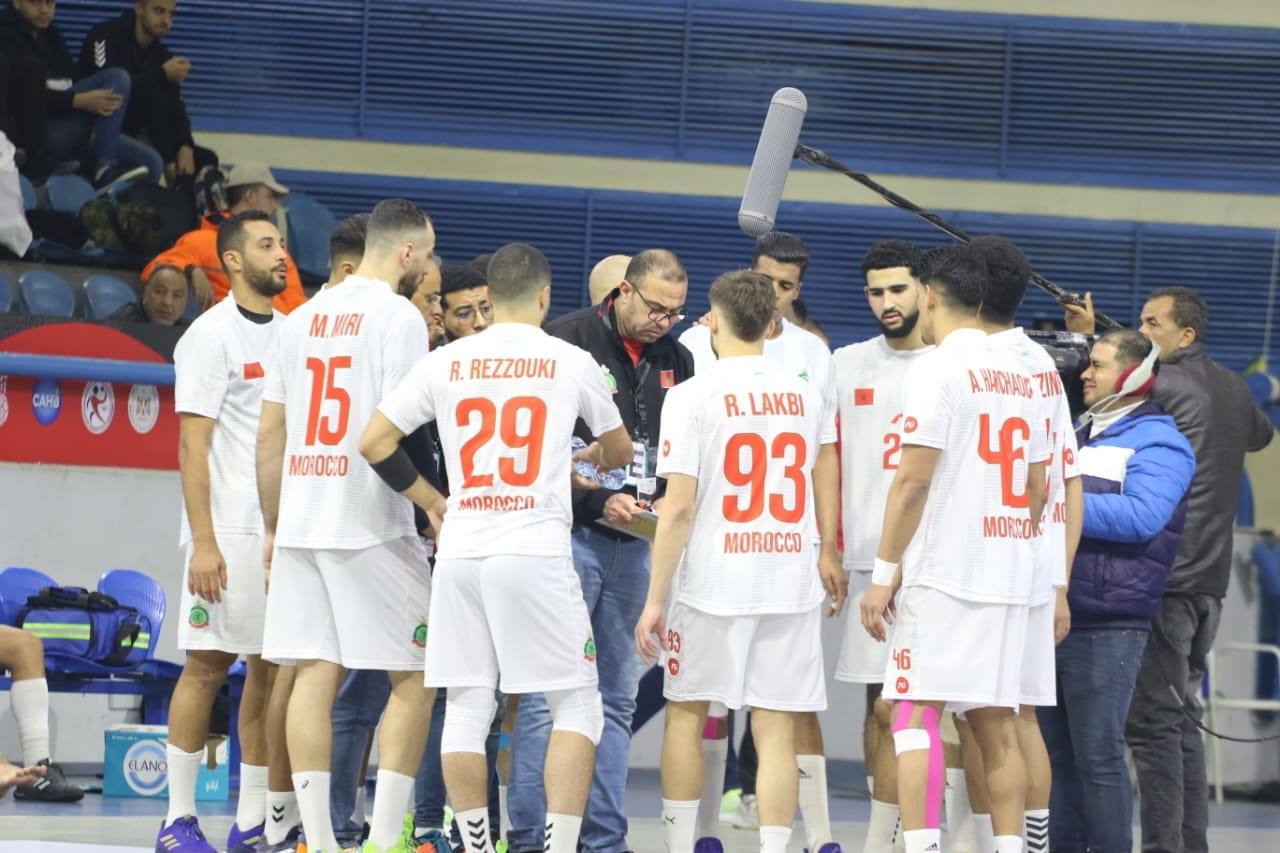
(927, 737)
(717, 724)
(577, 710)
(468, 711)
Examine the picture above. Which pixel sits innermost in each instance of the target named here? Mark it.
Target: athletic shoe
(401, 846)
(53, 787)
(246, 840)
(292, 843)
(433, 841)
(746, 816)
(729, 804)
(501, 846)
(707, 844)
(830, 847)
(183, 836)
(117, 176)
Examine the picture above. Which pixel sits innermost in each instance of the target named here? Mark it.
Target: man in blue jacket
(1136, 468)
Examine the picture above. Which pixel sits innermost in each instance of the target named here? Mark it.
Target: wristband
(882, 572)
(396, 470)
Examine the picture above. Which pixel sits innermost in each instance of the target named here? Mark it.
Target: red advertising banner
(86, 421)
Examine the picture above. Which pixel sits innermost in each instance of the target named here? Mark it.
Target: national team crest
(420, 636)
(864, 396)
(589, 650)
(609, 379)
(253, 370)
(667, 378)
(199, 617)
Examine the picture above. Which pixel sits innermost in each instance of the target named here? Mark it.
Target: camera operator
(1214, 410)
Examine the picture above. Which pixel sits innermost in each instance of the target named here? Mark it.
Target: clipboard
(644, 525)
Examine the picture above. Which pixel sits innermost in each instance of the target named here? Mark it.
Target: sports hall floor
(113, 824)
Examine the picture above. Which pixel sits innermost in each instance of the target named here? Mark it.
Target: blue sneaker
(830, 847)
(293, 843)
(246, 840)
(183, 836)
(708, 844)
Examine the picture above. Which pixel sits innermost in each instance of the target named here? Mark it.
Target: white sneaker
(746, 817)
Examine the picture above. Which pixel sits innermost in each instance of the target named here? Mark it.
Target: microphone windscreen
(769, 169)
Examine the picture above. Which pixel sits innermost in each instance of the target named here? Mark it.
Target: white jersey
(750, 432)
(337, 356)
(220, 363)
(1051, 545)
(869, 380)
(973, 401)
(505, 403)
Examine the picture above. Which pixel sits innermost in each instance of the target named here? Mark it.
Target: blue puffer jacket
(1136, 475)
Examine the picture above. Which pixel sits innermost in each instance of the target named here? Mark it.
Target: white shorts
(512, 619)
(363, 608)
(862, 657)
(966, 653)
(771, 661)
(1039, 673)
(235, 624)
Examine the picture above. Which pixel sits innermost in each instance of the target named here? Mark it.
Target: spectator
(1136, 468)
(464, 296)
(250, 186)
(606, 276)
(629, 335)
(1213, 408)
(155, 111)
(68, 117)
(427, 299)
(164, 299)
(346, 248)
(22, 654)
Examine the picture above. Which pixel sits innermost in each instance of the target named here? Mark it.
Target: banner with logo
(86, 421)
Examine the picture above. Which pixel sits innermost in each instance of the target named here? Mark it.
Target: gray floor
(99, 822)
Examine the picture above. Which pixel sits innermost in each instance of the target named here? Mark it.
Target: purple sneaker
(708, 844)
(830, 847)
(246, 840)
(183, 836)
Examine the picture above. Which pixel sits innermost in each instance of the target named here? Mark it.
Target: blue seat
(17, 584)
(310, 226)
(103, 295)
(6, 294)
(28, 191)
(67, 193)
(45, 292)
(136, 589)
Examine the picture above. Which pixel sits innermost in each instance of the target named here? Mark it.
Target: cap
(246, 174)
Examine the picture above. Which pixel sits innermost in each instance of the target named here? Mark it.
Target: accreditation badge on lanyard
(641, 474)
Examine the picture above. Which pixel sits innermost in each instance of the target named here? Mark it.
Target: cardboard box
(135, 764)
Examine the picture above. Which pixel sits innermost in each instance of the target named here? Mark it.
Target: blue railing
(101, 369)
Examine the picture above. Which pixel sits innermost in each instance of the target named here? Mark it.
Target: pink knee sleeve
(714, 728)
(926, 736)
(901, 715)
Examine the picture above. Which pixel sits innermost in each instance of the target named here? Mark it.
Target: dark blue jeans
(1091, 807)
(615, 580)
(68, 136)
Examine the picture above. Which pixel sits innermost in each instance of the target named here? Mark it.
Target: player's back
(749, 431)
(505, 403)
(973, 401)
(337, 356)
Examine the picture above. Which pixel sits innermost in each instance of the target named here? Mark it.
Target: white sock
(251, 806)
(504, 822)
(882, 829)
(1037, 830)
(814, 810)
(183, 769)
(282, 814)
(474, 827)
(774, 839)
(714, 755)
(681, 820)
(962, 834)
(312, 788)
(923, 840)
(359, 810)
(29, 700)
(1008, 844)
(391, 797)
(985, 832)
(562, 833)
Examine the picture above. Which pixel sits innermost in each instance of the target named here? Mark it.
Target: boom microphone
(769, 169)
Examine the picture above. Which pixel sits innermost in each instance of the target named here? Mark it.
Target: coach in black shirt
(628, 334)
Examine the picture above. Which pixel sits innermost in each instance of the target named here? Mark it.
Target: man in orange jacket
(250, 186)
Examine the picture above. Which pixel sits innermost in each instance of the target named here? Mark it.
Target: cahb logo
(46, 400)
(146, 769)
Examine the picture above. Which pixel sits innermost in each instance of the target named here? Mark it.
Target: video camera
(1070, 351)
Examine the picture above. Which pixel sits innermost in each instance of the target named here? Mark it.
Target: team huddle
(926, 475)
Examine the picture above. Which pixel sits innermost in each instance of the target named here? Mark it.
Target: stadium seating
(135, 589)
(28, 193)
(16, 585)
(103, 295)
(66, 193)
(45, 292)
(6, 294)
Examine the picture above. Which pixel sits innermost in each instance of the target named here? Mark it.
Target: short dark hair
(957, 272)
(662, 263)
(888, 254)
(782, 247)
(480, 263)
(1008, 274)
(1131, 346)
(391, 219)
(236, 194)
(457, 277)
(347, 240)
(1190, 311)
(516, 272)
(231, 233)
(747, 301)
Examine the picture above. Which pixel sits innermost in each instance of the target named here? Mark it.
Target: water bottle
(614, 479)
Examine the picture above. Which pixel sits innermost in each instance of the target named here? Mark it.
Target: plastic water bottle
(614, 479)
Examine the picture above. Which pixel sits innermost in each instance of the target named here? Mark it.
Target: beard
(906, 327)
(264, 281)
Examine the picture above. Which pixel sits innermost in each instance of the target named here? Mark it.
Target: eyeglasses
(659, 313)
(468, 315)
